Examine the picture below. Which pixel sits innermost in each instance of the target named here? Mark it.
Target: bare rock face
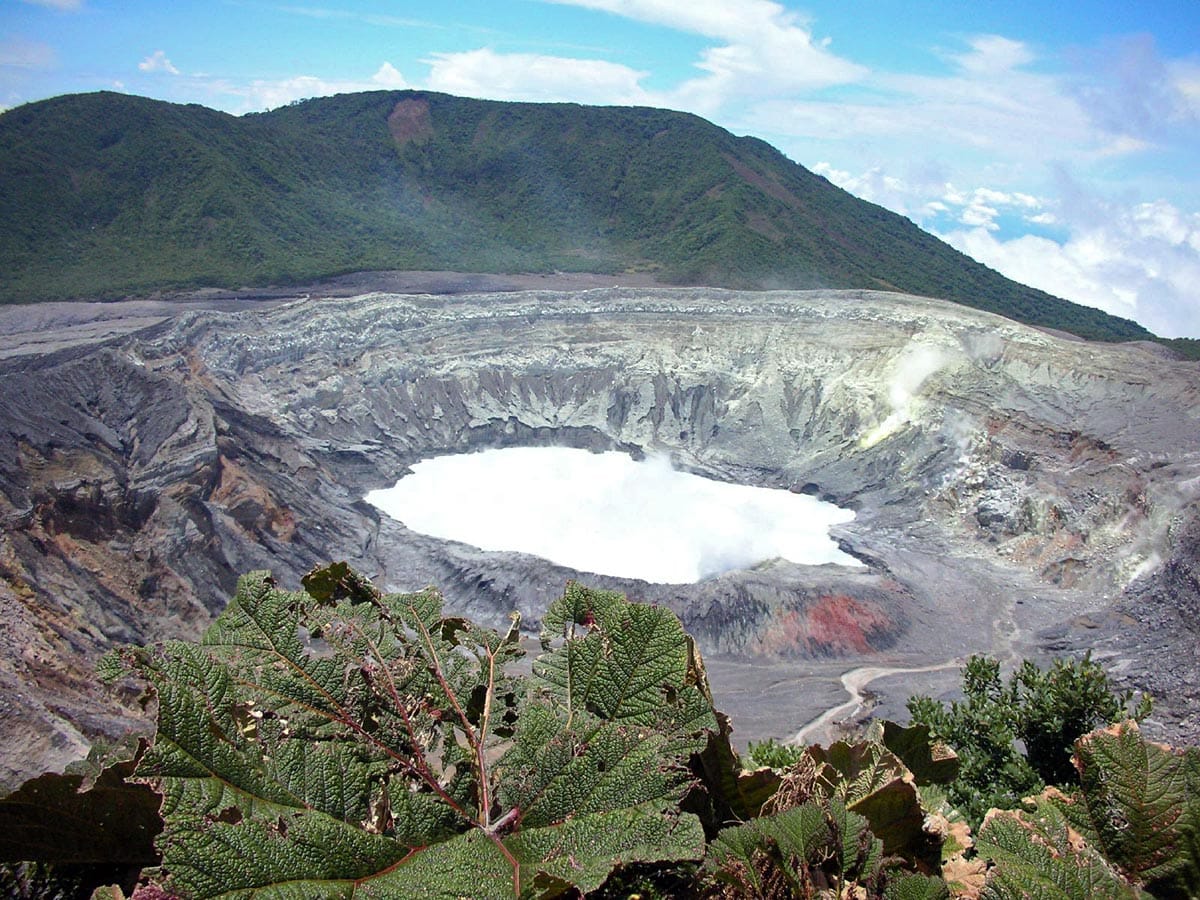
(1009, 485)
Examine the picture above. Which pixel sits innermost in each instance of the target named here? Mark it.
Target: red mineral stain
(834, 624)
(785, 636)
(840, 624)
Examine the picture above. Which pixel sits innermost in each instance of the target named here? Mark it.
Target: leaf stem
(477, 748)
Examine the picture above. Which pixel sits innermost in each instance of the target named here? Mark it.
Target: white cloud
(158, 62)
(264, 94)
(763, 49)
(991, 55)
(986, 205)
(521, 76)
(271, 94)
(980, 215)
(1138, 260)
(1141, 262)
(1005, 198)
(388, 76)
(928, 199)
(874, 185)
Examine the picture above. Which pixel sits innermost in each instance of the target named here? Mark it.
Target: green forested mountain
(104, 195)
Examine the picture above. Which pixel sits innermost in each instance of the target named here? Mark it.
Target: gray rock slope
(1016, 492)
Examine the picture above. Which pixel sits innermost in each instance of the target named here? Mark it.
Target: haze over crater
(609, 514)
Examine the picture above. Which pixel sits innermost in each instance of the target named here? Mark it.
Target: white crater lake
(609, 514)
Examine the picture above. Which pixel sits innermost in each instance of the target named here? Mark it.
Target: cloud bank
(1139, 261)
(759, 49)
(266, 94)
(1135, 259)
(606, 514)
(527, 76)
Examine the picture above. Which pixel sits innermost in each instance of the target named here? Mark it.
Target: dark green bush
(1013, 738)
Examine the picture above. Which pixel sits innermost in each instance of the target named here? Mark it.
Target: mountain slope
(107, 194)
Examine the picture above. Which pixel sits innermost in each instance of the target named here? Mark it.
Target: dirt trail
(855, 681)
(1005, 633)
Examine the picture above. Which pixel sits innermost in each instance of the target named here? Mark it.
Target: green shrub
(342, 741)
(773, 753)
(1014, 738)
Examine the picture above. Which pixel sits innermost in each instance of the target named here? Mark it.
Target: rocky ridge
(1012, 487)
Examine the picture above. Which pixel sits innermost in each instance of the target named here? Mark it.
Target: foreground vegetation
(107, 195)
(341, 742)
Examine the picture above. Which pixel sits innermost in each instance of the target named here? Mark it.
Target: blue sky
(1056, 142)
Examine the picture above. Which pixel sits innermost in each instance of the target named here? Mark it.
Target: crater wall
(1008, 484)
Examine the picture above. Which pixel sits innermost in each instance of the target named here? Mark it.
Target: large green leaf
(588, 765)
(581, 852)
(344, 742)
(622, 661)
(916, 887)
(782, 847)
(1143, 806)
(1037, 854)
(292, 858)
(293, 855)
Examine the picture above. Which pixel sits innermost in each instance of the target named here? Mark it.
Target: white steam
(608, 514)
(910, 371)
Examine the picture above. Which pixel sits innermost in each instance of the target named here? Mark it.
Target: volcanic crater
(1016, 492)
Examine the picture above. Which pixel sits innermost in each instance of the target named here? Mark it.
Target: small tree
(1047, 711)
(1058, 706)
